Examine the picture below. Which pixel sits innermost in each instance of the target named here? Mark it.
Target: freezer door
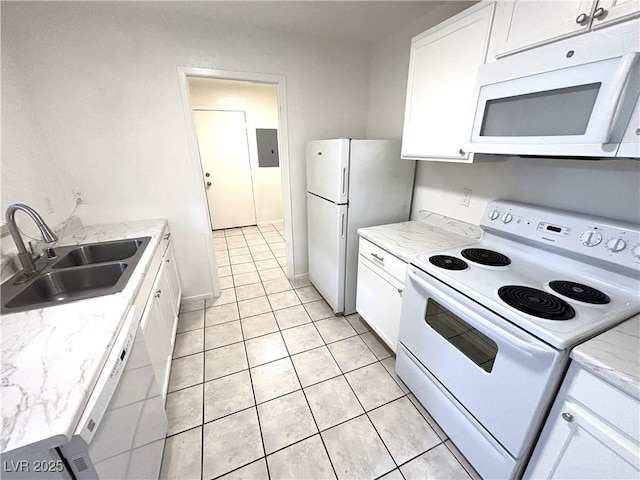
(328, 169)
(327, 228)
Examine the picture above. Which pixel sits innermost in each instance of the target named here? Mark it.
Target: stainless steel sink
(67, 285)
(99, 253)
(73, 273)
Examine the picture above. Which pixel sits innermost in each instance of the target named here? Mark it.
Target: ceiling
(359, 21)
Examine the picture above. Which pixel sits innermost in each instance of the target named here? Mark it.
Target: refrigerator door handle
(342, 217)
(344, 181)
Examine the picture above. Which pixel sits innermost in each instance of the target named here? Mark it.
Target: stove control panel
(610, 241)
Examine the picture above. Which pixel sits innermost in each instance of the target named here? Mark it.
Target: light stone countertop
(429, 233)
(614, 356)
(52, 357)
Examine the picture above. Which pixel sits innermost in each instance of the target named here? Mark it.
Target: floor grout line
(290, 356)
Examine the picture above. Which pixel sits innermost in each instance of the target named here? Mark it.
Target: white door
(327, 230)
(224, 152)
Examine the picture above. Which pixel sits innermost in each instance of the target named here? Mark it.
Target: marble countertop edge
(431, 232)
(42, 400)
(614, 356)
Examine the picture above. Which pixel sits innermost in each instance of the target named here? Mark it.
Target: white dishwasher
(122, 430)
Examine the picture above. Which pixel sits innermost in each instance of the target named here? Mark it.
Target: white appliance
(486, 329)
(577, 98)
(350, 184)
(122, 430)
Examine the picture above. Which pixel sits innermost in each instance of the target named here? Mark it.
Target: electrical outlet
(77, 194)
(466, 197)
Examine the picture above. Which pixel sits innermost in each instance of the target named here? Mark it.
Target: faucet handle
(32, 250)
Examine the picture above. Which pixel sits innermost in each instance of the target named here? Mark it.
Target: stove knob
(506, 218)
(494, 214)
(616, 245)
(590, 238)
(636, 252)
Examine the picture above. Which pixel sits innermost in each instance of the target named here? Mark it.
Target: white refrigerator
(350, 184)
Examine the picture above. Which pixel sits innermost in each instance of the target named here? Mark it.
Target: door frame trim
(196, 164)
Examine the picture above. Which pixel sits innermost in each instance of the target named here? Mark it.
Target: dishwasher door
(125, 440)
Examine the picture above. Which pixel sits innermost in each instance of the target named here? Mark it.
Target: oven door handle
(527, 347)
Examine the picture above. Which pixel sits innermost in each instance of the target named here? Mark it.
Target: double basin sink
(75, 272)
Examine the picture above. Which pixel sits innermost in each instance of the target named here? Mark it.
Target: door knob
(208, 184)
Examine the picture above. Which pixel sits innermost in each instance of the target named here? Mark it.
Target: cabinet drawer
(383, 259)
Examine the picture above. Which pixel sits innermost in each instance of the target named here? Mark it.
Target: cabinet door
(442, 76)
(521, 24)
(379, 301)
(175, 290)
(608, 12)
(581, 445)
(165, 300)
(157, 337)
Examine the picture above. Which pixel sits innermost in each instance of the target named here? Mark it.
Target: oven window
(475, 345)
(563, 111)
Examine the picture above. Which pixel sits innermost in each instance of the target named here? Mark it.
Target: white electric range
(486, 328)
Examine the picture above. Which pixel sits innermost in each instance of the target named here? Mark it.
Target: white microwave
(573, 98)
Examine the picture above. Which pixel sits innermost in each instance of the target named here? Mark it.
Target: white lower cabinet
(592, 432)
(160, 318)
(379, 291)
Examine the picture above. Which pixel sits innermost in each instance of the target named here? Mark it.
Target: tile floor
(267, 383)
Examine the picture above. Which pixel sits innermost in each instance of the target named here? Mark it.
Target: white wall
(260, 104)
(28, 175)
(609, 188)
(104, 77)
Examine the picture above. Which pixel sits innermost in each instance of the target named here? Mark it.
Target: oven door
(502, 376)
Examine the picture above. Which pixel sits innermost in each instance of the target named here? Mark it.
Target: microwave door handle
(451, 304)
(620, 80)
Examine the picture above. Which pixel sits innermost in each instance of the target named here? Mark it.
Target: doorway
(267, 215)
(233, 120)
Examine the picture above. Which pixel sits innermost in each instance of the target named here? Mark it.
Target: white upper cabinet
(442, 75)
(526, 23)
(523, 24)
(613, 11)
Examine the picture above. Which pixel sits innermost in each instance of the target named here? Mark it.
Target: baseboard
(195, 298)
(270, 222)
(301, 278)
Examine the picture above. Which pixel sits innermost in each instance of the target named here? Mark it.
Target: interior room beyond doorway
(237, 126)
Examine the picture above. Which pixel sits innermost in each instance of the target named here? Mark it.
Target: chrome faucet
(26, 259)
